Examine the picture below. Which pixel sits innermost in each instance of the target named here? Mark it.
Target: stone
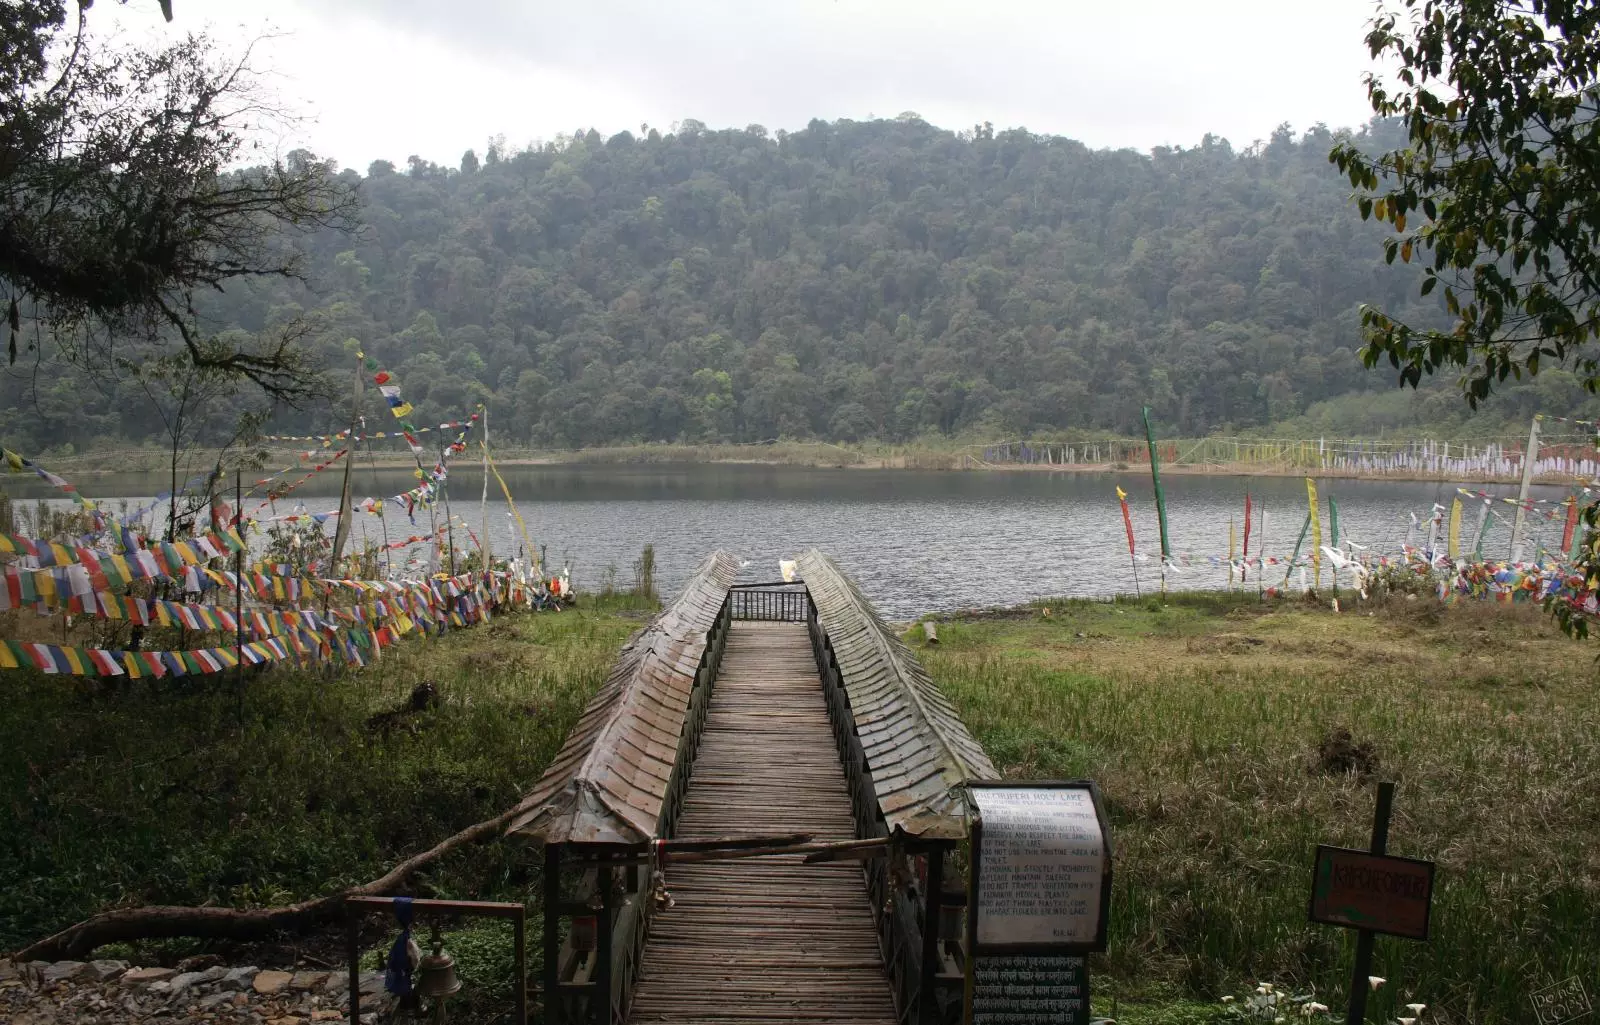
(180, 983)
(215, 973)
(212, 1000)
(287, 1020)
(269, 983)
(305, 982)
(8, 970)
(160, 986)
(371, 984)
(326, 1015)
(105, 971)
(139, 975)
(63, 971)
(237, 978)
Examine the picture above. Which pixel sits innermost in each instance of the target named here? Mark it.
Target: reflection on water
(916, 541)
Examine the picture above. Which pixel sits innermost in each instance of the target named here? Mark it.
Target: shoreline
(811, 455)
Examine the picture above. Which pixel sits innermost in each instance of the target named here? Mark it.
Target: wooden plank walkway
(763, 940)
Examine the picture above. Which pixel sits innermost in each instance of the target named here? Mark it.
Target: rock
(305, 982)
(208, 1002)
(105, 971)
(270, 983)
(371, 984)
(160, 986)
(63, 971)
(285, 1021)
(326, 1015)
(215, 973)
(180, 983)
(237, 979)
(139, 975)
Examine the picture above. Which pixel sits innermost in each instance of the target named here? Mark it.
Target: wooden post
(927, 995)
(238, 588)
(352, 942)
(552, 934)
(519, 943)
(341, 530)
(602, 976)
(1357, 1013)
(930, 631)
(483, 542)
(1528, 457)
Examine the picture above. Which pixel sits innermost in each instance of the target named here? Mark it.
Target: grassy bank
(191, 792)
(1213, 725)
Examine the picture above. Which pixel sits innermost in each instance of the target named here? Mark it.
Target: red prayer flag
(1246, 564)
(1127, 521)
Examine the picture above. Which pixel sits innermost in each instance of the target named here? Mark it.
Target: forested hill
(853, 280)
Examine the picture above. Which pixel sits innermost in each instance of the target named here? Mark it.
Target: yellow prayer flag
(1455, 528)
(1316, 533)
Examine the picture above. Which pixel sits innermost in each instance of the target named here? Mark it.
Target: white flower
(1415, 1008)
(1227, 1000)
(1263, 989)
(1375, 981)
(1316, 1008)
(1406, 1021)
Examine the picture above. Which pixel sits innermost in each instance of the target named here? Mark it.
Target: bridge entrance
(745, 711)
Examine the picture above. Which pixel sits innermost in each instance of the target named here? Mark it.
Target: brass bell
(436, 974)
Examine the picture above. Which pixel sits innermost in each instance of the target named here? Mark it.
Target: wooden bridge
(756, 711)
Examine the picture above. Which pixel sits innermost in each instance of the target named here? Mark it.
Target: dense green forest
(854, 280)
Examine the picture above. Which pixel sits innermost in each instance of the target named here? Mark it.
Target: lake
(916, 541)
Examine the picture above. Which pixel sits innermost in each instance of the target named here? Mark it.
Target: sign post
(1039, 892)
(1371, 892)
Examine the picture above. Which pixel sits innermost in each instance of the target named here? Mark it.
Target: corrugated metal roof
(609, 780)
(916, 745)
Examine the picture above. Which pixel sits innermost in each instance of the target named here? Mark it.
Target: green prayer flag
(1155, 478)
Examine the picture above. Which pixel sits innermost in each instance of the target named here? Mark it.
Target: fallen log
(166, 921)
(75, 942)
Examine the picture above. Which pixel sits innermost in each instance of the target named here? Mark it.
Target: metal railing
(777, 603)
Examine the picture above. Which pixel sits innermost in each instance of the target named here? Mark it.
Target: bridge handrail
(612, 779)
(917, 748)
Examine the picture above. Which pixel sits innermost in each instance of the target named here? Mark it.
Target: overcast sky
(391, 78)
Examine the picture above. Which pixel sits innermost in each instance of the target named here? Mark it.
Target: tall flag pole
(1261, 554)
(1295, 557)
(1333, 542)
(1244, 564)
(1233, 549)
(1127, 525)
(485, 549)
(1161, 501)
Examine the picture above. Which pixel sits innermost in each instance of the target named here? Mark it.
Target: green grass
(1202, 720)
(187, 792)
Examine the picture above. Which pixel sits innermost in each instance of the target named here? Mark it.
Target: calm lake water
(915, 541)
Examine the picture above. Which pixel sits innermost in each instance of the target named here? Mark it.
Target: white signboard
(1041, 865)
